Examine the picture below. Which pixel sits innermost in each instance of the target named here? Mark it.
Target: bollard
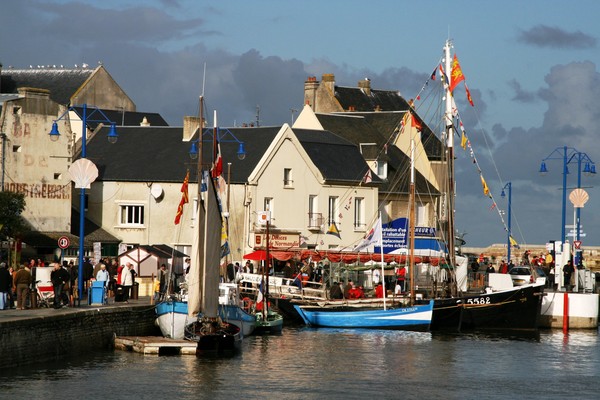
(566, 313)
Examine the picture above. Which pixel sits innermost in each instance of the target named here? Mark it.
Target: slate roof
(158, 154)
(338, 159)
(61, 82)
(356, 129)
(382, 100)
(128, 118)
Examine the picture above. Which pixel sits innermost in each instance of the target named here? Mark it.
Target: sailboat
(415, 316)
(267, 319)
(513, 308)
(213, 335)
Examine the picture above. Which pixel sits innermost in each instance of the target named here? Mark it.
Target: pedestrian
(401, 278)
(379, 291)
(567, 272)
(59, 277)
(21, 282)
(335, 292)
(126, 281)
(5, 286)
(103, 275)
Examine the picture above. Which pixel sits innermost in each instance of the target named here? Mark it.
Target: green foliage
(11, 207)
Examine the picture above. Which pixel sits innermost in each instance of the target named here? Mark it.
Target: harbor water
(307, 363)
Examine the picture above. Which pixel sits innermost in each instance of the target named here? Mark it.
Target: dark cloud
(521, 95)
(80, 23)
(547, 36)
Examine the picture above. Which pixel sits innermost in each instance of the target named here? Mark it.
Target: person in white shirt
(126, 281)
(103, 275)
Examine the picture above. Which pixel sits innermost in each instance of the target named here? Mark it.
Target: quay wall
(43, 337)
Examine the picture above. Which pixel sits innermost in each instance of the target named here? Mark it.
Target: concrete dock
(42, 334)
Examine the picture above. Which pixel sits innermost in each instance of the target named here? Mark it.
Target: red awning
(261, 255)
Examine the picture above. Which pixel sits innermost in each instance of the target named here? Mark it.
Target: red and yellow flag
(456, 75)
(184, 198)
(469, 95)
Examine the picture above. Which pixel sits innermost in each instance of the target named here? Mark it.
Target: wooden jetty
(156, 345)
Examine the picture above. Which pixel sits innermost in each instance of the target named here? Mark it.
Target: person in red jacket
(379, 291)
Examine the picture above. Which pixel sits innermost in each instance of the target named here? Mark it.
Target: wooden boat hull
(224, 340)
(273, 324)
(516, 309)
(417, 317)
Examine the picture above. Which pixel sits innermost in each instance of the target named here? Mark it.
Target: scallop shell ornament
(83, 172)
(579, 197)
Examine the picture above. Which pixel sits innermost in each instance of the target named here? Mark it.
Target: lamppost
(569, 155)
(112, 138)
(509, 231)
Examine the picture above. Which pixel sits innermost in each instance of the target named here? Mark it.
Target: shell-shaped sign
(579, 197)
(83, 172)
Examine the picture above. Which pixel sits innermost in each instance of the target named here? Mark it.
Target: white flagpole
(382, 269)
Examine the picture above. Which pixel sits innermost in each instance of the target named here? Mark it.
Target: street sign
(577, 244)
(64, 242)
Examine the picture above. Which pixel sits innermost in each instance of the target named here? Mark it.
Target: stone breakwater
(33, 336)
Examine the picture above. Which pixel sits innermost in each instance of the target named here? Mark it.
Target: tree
(11, 207)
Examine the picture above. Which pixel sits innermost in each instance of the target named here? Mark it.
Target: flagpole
(382, 269)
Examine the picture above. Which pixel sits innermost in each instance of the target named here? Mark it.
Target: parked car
(522, 275)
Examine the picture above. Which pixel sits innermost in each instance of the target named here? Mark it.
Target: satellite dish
(156, 191)
(83, 172)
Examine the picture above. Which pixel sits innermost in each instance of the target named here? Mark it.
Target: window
(132, 215)
(57, 176)
(333, 210)
(315, 219)
(359, 213)
(382, 169)
(287, 178)
(269, 205)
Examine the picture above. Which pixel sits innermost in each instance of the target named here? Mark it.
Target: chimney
(29, 92)
(310, 91)
(145, 122)
(190, 127)
(329, 82)
(365, 86)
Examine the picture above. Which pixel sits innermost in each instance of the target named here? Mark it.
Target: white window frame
(359, 214)
(382, 169)
(139, 214)
(288, 181)
(333, 209)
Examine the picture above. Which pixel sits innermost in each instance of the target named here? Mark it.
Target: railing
(315, 220)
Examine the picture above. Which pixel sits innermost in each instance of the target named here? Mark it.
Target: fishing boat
(512, 308)
(416, 316)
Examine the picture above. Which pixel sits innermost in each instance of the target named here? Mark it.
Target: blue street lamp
(112, 138)
(509, 231)
(569, 155)
(221, 135)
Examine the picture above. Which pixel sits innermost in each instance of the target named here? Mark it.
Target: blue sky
(532, 67)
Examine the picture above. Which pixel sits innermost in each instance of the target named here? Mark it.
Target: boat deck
(155, 345)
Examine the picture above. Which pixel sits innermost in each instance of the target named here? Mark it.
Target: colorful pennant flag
(469, 96)
(217, 168)
(368, 178)
(486, 190)
(184, 198)
(333, 230)
(433, 74)
(456, 74)
(513, 242)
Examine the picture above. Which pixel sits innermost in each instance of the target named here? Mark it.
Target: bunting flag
(463, 135)
(372, 237)
(333, 230)
(456, 74)
(224, 239)
(513, 242)
(368, 178)
(493, 206)
(184, 198)
(433, 74)
(443, 75)
(486, 190)
(217, 168)
(469, 96)
(415, 122)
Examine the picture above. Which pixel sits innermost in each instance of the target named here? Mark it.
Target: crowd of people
(16, 284)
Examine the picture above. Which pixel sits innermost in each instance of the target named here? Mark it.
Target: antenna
(257, 115)
(203, 79)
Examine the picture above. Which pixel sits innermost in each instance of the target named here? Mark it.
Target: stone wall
(42, 338)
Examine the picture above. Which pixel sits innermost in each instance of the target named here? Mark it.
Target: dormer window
(382, 169)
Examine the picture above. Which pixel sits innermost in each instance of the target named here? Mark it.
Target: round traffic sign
(63, 242)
